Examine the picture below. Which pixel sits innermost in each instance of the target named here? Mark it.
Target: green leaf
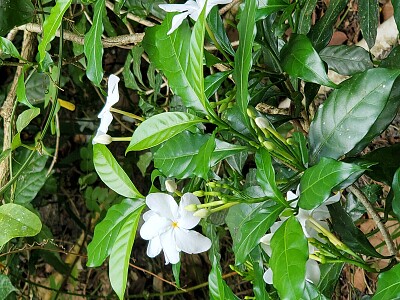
(321, 33)
(350, 112)
(16, 141)
(299, 59)
(368, 12)
(346, 60)
(121, 252)
(50, 26)
(21, 91)
(318, 181)
(311, 292)
(258, 269)
(93, 47)
(304, 22)
(17, 221)
(392, 60)
(353, 237)
(388, 286)
(270, 7)
(176, 270)
(288, 259)
(217, 28)
(7, 47)
(266, 176)
(6, 287)
(329, 277)
(4, 154)
(106, 232)
(396, 12)
(213, 82)
(160, 128)
(202, 160)
(170, 54)
(396, 193)
(253, 227)
(243, 57)
(15, 13)
(112, 174)
(26, 117)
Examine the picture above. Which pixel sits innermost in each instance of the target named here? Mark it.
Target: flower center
(175, 224)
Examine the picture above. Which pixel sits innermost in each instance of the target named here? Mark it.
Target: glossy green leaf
(288, 259)
(7, 47)
(349, 234)
(203, 159)
(218, 29)
(106, 232)
(304, 22)
(392, 60)
(15, 13)
(17, 221)
(50, 26)
(21, 91)
(213, 82)
(253, 227)
(311, 292)
(396, 193)
(170, 54)
(112, 174)
(388, 286)
(26, 117)
(266, 176)
(321, 33)
(368, 12)
(129, 77)
(121, 252)
(6, 287)
(329, 278)
(16, 141)
(318, 181)
(160, 128)
(270, 7)
(258, 269)
(396, 12)
(243, 57)
(346, 60)
(350, 112)
(176, 157)
(93, 47)
(299, 59)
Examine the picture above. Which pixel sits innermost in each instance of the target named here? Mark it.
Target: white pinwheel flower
(105, 114)
(191, 8)
(167, 227)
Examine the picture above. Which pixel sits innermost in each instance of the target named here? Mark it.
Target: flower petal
(265, 243)
(313, 273)
(154, 248)
(177, 21)
(186, 218)
(176, 7)
(154, 226)
(148, 214)
(268, 276)
(163, 204)
(113, 92)
(101, 138)
(190, 241)
(105, 120)
(168, 244)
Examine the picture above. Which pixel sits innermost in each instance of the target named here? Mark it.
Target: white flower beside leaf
(190, 8)
(105, 114)
(167, 227)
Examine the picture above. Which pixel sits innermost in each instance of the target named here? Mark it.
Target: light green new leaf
(253, 227)
(299, 59)
(396, 193)
(93, 47)
(243, 56)
(170, 54)
(160, 128)
(318, 181)
(6, 287)
(388, 284)
(368, 12)
(50, 26)
(350, 112)
(106, 232)
(266, 176)
(7, 47)
(112, 174)
(26, 117)
(121, 252)
(288, 259)
(17, 221)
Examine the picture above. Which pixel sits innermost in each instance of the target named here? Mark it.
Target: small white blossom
(105, 114)
(190, 8)
(167, 227)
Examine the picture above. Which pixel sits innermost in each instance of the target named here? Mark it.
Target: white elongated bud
(170, 185)
(102, 138)
(202, 213)
(262, 123)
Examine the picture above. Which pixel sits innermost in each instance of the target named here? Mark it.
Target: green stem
(130, 115)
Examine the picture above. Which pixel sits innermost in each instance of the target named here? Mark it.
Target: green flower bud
(202, 213)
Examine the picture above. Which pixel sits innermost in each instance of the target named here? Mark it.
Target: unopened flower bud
(170, 185)
(102, 138)
(251, 113)
(262, 123)
(202, 213)
(191, 207)
(198, 193)
(290, 141)
(211, 184)
(269, 146)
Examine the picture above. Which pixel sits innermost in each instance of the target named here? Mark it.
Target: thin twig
(228, 6)
(370, 209)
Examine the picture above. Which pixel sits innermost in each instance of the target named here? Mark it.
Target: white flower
(167, 227)
(105, 114)
(102, 138)
(190, 8)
